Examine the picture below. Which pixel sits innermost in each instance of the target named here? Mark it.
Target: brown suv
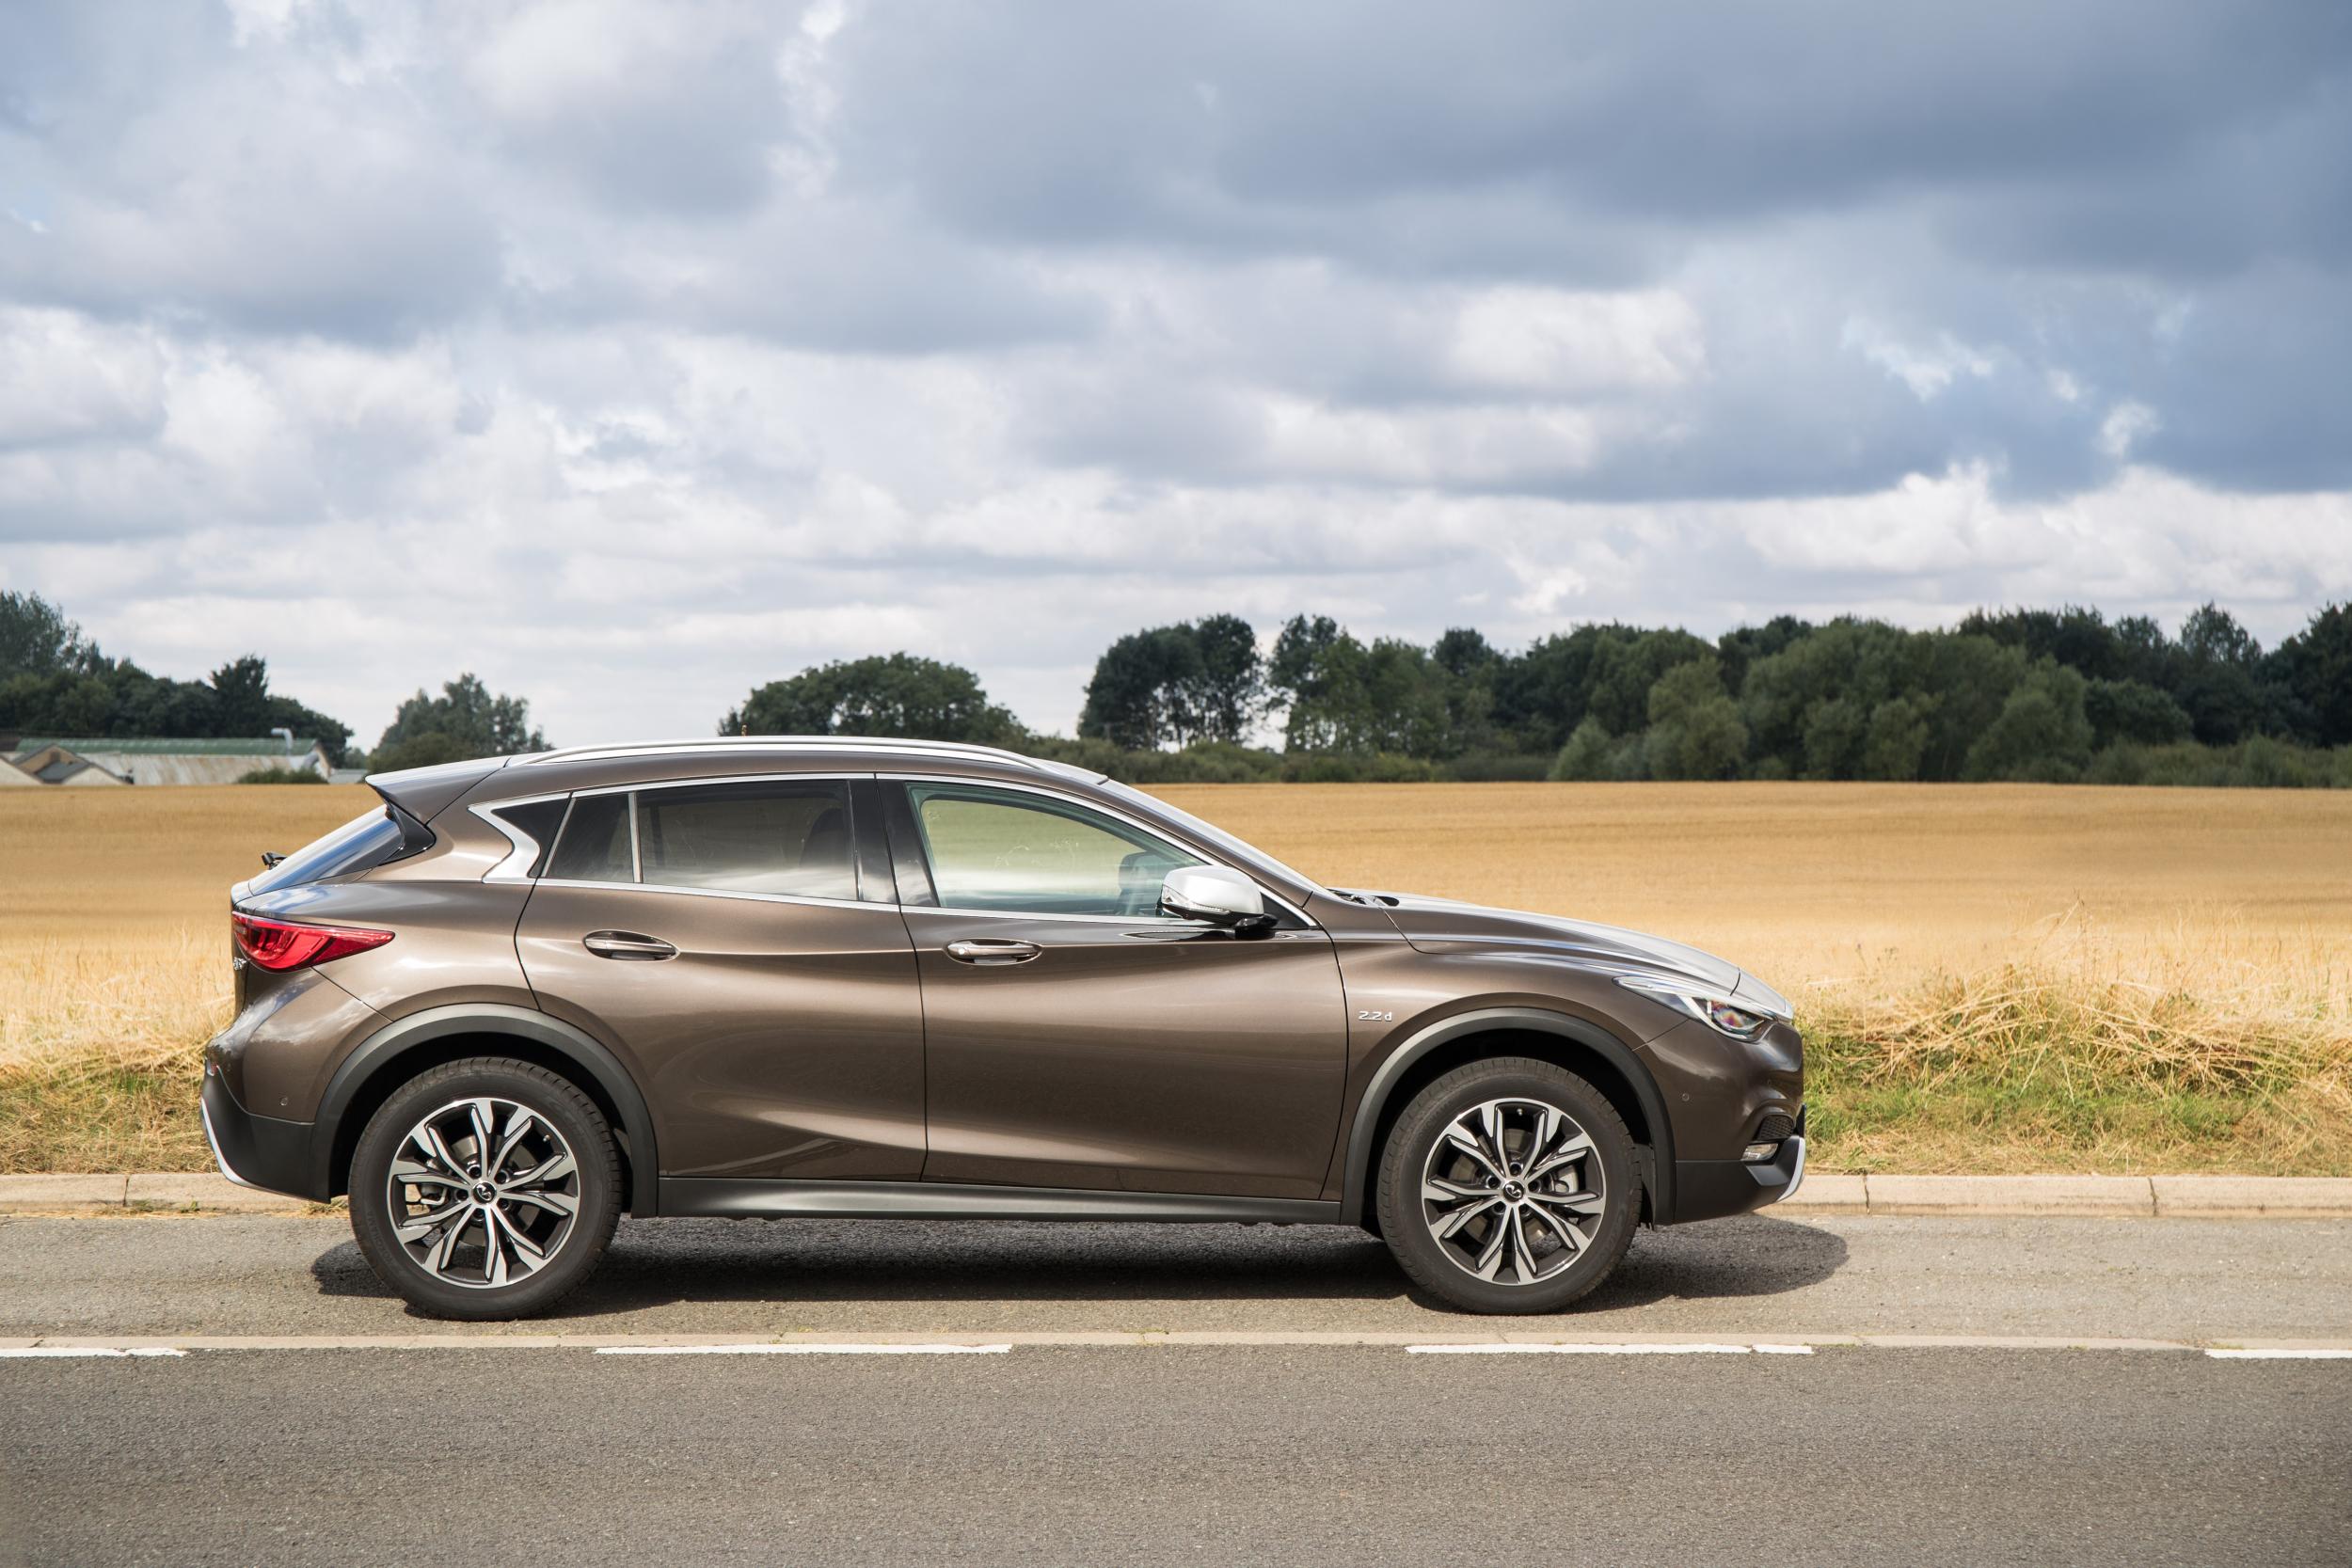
(845, 977)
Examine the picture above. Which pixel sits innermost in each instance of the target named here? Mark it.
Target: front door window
(1008, 851)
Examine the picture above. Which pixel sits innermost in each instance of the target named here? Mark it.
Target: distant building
(80, 764)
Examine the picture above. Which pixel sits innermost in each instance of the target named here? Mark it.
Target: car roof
(649, 760)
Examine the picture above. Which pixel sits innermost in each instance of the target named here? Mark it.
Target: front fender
(1658, 1178)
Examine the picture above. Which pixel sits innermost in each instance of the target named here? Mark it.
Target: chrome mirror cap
(1211, 892)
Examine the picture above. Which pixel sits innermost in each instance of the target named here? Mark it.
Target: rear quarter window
(359, 844)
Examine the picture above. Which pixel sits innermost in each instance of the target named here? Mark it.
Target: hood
(1443, 925)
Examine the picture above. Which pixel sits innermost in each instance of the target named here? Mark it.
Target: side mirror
(1212, 893)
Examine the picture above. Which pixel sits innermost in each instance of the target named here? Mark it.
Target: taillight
(283, 945)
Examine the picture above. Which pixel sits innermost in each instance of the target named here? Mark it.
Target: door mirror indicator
(1212, 893)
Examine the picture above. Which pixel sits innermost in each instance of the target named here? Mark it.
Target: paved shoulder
(1756, 1276)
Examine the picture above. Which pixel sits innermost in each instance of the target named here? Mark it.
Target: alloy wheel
(482, 1193)
(1513, 1192)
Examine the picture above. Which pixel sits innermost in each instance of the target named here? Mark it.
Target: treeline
(2019, 694)
(56, 682)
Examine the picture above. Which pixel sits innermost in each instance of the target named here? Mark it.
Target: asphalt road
(1189, 1454)
(2189, 1279)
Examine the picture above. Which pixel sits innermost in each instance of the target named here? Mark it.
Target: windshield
(1233, 849)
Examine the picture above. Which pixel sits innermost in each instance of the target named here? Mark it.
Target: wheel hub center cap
(1513, 1191)
(483, 1191)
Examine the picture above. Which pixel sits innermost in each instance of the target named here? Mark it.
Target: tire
(539, 1121)
(1472, 1195)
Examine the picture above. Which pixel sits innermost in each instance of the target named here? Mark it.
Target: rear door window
(596, 846)
(772, 836)
(788, 838)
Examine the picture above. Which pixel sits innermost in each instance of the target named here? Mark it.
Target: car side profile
(837, 977)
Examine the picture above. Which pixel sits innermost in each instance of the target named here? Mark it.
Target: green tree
(2041, 734)
(1318, 673)
(898, 695)
(1897, 739)
(36, 639)
(1228, 692)
(2311, 672)
(1694, 727)
(1176, 685)
(1834, 728)
(241, 697)
(467, 719)
(2135, 711)
(1585, 754)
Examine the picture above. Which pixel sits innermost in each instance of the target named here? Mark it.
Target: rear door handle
(989, 952)
(626, 945)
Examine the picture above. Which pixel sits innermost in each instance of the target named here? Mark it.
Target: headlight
(1717, 1012)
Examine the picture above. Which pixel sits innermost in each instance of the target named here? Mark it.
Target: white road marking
(1519, 1348)
(163, 1345)
(802, 1350)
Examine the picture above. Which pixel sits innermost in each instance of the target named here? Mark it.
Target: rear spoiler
(424, 793)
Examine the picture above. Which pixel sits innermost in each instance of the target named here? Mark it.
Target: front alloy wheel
(1507, 1185)
(1513, 1192)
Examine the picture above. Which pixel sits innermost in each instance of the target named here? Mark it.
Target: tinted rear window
(361, 844)
(594, 847)
(764, 837)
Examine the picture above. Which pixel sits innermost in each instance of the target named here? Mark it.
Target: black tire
(1432, 1263)
(597, 1188)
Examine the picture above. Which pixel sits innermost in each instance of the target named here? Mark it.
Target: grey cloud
(742, 338)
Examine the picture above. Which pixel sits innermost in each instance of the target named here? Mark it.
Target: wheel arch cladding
(400, 1051)
(1580, 1047)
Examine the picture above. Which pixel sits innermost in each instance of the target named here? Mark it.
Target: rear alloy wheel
(1507, 1186)
(484, 1189)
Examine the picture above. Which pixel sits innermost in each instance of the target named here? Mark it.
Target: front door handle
(626, 945)
(988, 952)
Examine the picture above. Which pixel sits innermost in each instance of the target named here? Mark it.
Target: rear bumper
(1712, 1189)
(256, 1151)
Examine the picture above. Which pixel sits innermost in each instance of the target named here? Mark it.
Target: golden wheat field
(1991, 977)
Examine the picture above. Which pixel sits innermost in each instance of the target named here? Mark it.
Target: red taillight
(282, 944)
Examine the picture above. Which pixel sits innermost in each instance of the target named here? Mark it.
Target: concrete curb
(1823, 1193)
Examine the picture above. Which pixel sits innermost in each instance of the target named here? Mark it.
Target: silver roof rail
(788, 743)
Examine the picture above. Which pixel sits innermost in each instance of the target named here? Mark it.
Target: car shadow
(660, 1264)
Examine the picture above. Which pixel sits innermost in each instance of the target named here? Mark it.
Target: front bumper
(256, 1151)
(1711, 1189)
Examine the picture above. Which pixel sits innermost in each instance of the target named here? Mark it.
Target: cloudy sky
(632, 355)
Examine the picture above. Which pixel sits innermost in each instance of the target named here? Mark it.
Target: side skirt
(946, 1200)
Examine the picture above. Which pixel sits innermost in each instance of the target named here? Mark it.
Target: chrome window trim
(636, 849)
(718, 893)
(1149, 830)
(636, 855)
(522, 849)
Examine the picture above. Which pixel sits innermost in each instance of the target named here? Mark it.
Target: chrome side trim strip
(955, 1200)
